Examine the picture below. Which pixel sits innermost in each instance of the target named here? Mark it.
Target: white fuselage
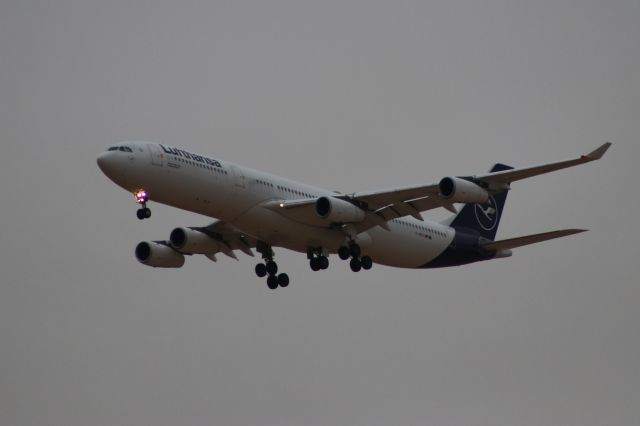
(237, 195)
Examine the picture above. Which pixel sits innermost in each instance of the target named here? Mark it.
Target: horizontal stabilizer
(529, 239)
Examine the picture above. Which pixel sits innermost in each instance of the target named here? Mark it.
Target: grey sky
(348, 95)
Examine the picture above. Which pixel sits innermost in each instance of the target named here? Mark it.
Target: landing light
(141, 196)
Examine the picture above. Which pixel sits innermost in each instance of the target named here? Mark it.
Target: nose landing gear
(141, 196)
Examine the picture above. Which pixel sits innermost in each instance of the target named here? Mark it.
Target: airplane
(262, 211)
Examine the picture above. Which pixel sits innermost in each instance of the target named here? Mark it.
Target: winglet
(599, 152)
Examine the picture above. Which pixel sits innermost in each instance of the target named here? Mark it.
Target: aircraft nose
(105, 162)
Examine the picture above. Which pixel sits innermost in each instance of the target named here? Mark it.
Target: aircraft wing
(384, 205)
(497, 180)
(526, 240)
(230, 239)
(396, 202)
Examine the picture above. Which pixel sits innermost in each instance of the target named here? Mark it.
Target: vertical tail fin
(483, 219)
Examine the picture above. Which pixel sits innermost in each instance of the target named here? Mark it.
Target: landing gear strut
(141, 196)
(356, 263)
(270, 268)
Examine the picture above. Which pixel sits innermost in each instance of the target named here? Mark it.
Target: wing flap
(379, 199)
(528, 239)
(230, 239)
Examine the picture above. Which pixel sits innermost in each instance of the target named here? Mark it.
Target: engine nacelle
(191, 241)
(158, 255)
(338, 211)
(462, 191)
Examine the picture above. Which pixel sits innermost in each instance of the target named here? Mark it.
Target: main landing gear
(141, 196)
(356, 263)
(270, 268)
(317, 259)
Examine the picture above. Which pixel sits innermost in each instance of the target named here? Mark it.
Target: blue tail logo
(487, 214)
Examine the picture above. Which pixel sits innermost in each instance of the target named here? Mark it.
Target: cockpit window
(120, 148)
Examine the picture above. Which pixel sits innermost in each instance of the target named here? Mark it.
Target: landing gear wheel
(354, 249)
(355, 264)
(272, 282)
(143, 213)
(366, 262)
(323, 262)
(261, 270)
(344, 253)
(314, 263)
(272, 267)
(283, 280)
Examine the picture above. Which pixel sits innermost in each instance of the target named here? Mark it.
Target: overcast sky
(347, 95)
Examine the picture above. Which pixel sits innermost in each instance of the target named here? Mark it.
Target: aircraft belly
(403, 249)
(277, 230)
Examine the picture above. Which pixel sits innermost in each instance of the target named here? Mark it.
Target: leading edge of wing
(528, 239)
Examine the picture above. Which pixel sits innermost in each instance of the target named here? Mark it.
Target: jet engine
(336, 210)
(158, 255)
(189, 240)
(459, 190)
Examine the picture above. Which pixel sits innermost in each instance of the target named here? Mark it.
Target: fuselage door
(240, 177)
(156, 154)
